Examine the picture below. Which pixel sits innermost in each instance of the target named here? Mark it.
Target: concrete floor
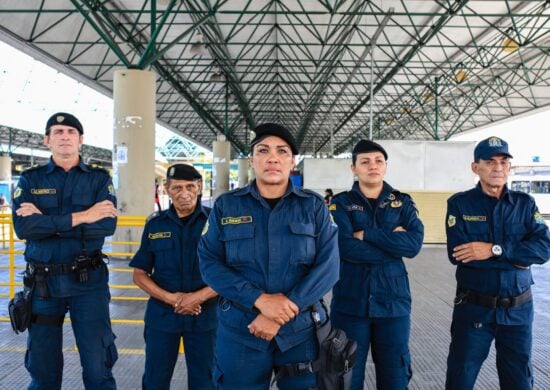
(432, 283)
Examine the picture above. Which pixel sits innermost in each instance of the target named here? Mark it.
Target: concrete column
(5, 167)
(221, 150)
(134, 145)
(243, 172)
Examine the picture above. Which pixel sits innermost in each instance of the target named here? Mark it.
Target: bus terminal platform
(432, 283)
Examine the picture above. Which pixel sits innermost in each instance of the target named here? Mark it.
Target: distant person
(328, 196)
(494, 235)
(2, 200)
(166, 267)
(271, 252)
(157, 196)
(377, 226)
(65, 209)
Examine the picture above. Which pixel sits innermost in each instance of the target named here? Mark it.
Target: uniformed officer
(270, 251)
(64, 210)
(377, 227)
(166, 266)
(494, 235)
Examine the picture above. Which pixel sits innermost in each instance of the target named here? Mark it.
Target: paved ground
(432, 283)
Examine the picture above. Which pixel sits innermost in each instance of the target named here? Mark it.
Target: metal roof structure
(13, 140)
(439, 67)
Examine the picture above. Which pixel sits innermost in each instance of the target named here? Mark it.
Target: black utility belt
(63, 269)
(469, 296)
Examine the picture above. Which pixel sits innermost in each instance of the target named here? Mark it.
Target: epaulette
(340, 194)
(152, 216)
(310, 192)
(97, 167)
(457, 195)
(33, 168)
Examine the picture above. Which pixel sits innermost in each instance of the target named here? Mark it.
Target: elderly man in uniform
(270, 251)
(494, 235)
(377, 227)
(166, 267)
(64, 210)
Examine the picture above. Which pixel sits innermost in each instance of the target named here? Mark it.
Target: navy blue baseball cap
(491, 147)
(65, 119)
(272, 129)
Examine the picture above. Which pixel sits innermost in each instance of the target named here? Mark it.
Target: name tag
(154, 236)
(43, 191)
(236, 220)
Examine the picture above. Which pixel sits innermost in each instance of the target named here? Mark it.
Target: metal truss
(441, 67)
(12, 140)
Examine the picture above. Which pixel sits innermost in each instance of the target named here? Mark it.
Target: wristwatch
(497, 250)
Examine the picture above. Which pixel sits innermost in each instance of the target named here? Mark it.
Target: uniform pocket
(239, 243)
(82, 200)
(47, 203)
(395, 281)
(111, 353)
(163, 249)
(302, 243)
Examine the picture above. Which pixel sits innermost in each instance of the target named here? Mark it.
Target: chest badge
(396, 203)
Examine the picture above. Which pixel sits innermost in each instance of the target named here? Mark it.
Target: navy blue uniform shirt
(168, 252)
(373, 278)
(514, 223)
(50, 235)
(249, 249)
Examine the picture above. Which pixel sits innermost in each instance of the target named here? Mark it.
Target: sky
(31, 91)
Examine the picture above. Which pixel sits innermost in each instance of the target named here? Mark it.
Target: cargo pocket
(407, 368)
(111, 353)
(217, 375)
(239, 243)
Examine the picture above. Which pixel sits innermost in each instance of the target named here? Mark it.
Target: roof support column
(221, 150)
(5, 167)
(243, 171)
(134, 143)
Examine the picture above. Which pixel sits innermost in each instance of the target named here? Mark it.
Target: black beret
(268, 129)
(367, 146)
(65, 119)
(182, 172)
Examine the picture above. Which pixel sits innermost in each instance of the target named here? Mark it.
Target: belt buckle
(505, 302)
(305, 367)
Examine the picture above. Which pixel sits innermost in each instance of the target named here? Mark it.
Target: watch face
(497, 250)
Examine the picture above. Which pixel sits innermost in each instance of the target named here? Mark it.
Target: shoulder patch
(451, 221)
(205, 229)
(539, 218)
(17, 193)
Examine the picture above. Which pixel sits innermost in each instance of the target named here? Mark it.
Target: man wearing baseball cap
(65, 209)
(270, 251)
(494, 235)
(166, 267)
